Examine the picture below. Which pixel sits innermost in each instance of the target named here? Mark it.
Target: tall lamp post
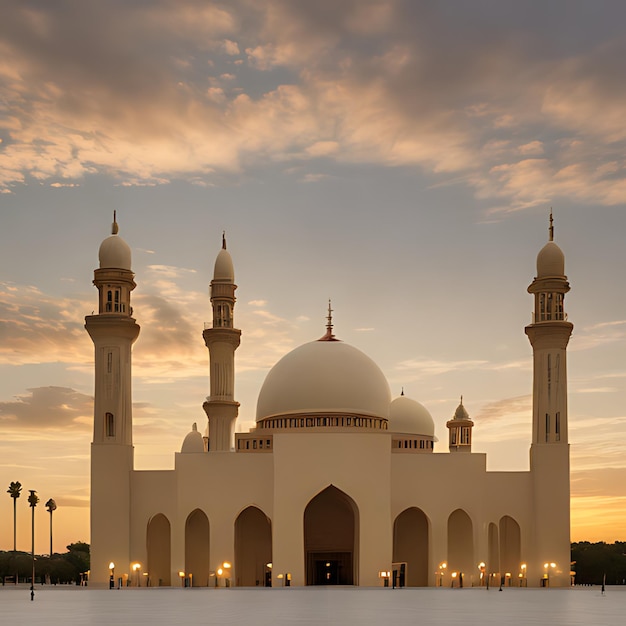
(51, 505)
(33, 499)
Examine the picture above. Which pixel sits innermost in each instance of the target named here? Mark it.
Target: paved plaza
(303, 606)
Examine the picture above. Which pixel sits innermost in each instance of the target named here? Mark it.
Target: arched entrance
(331, 539)
(253, 548)
(410, 546)
(197, 559)
(510, 549)
(461, 547)
(159, 551)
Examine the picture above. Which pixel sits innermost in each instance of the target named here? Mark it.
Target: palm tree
(15, 489)
(33, 500)
(51, 505)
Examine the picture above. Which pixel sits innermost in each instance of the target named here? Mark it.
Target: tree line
(68, 568)
(593, 561)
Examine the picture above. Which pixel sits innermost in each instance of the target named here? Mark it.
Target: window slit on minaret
(557, 426)
(547, 426)
(109, 424)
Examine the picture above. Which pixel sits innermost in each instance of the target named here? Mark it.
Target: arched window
(109, 425)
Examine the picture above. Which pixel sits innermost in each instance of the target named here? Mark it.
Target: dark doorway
(332, 568)
(331, 539)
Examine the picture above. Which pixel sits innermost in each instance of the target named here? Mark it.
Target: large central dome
(324, 377)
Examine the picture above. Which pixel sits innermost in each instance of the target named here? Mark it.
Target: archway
(159, 551)
(197, 538)
(461, 547)
(410, 546)
(253, 548)
(510, 548)
(331, 539)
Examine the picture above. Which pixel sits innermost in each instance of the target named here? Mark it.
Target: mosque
(337, 484)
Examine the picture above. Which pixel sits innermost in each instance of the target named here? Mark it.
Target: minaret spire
(223, 240)
(329, 319)
(551, 228)
(329, 326)
(114, 227)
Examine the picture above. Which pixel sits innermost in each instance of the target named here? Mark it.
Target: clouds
(201, 90)
(48, 408)
(36, 328)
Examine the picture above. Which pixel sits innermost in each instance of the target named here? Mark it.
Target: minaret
(460, 430)
(113, 332)
(549, 335)
(222, 340)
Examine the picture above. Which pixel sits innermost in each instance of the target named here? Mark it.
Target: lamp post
(111, 575)
(226, 565)
(33, 499)
(481, 569)
(442, 571)
(547, 567)
(51, 505)
(522, 576)
(136, 568)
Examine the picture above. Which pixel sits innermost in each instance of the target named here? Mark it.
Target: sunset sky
(398, 157)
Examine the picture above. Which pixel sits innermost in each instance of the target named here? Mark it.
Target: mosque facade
(338, 483)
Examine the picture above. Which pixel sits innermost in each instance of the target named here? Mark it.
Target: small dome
(193, 442)
(550, 261)
(461, 412)
(114, 253)
(224, 269)
(409, 416)
(324, 377)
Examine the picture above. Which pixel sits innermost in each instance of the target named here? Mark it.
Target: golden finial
(551, 229)
(114, 227)
(329, 326)
(223, 240)
(329, 319)
(402, 392)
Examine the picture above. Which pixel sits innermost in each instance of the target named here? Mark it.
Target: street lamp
(481, 569)
(51, 505)
(442, 571)
(33, 499)
(547, 567)
(136, 568)
(111, 575)
(226, 565)
(181, 575)
(522, 576)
